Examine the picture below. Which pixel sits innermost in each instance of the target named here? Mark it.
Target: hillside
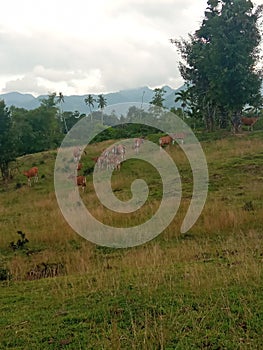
(198, 290)
(76, 102)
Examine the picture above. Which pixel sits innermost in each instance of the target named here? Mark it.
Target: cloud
(26, 84)
(84, 47)
(110, 46)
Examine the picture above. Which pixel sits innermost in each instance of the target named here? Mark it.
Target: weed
(4, 274)
(20, 243)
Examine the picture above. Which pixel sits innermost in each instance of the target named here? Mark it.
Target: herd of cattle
(111, 158)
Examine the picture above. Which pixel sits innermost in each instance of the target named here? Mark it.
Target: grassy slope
(200, 290)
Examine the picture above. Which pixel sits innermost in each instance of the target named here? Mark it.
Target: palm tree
(183, 96)
(102, 103)
(60, 101)
(89, 100)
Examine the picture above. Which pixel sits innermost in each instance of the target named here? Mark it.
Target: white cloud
(25, 84)
(86, 46)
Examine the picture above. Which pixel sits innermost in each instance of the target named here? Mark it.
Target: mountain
(76, 102)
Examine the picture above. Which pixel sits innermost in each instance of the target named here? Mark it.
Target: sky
(93, 46)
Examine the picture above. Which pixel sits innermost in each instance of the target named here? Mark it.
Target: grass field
(198, 290)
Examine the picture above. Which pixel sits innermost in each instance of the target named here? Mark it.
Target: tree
(23, 130)
(102, 103)
(183, 96)
(90, 100)
(49, 101)
(158, 98)
(220, 59)
(45, 124)
(8, 142)
(61, 100)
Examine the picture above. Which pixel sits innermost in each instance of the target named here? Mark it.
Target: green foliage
(220, 59)
(20, 243)
(50, 101)
(38, 129)
(158, 98)
(60, 101)
(90, 100)
(8, 140)
(4, 274)
(102, 102)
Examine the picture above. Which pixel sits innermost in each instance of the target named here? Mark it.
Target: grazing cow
(110, 158)
(137, 144)
(79, 166)
(250, 122)
(77, 153)
(119, 150)
(78, 180)
(31, 173)
(115, 163)
(165, 140)
(103, 162)
(81, 181)
(179, 136)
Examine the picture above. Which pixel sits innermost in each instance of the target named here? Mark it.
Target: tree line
(30, 131)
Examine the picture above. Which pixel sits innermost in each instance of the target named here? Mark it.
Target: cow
(115, 162)
(81, 181)
(77, 154)
(31, 173)
(120, 150)
(250, 122)
(165, 140)
(137, 144)
(79, 167)
(78, 180)
(178, 136)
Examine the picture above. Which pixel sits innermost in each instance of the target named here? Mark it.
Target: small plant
(248, 206)
(46, 270)
(18, 185)
(21, 242)
(4, 274)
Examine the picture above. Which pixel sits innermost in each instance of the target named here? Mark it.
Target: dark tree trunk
(4, 171)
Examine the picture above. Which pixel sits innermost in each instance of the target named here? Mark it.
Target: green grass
(198, 290)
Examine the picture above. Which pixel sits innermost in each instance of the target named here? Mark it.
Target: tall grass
(197, 290)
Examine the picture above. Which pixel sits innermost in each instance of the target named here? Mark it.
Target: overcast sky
(93, 46)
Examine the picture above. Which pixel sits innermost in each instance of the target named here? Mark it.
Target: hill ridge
(77, 103)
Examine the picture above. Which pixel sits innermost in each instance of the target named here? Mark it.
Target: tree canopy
(220, 59)
(158, 97)
(8, 141)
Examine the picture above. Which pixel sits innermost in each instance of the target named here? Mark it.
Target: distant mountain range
(77, 103)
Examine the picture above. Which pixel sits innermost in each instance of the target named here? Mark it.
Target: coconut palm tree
(102, 103)
(183, 96)
(89, 100)
(61, 100)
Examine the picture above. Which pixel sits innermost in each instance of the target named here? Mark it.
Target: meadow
(197, 290)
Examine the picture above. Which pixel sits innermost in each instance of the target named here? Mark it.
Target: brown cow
(78, 180)
(31, 173)
(250, 122)
(165, 140)
(81, 181)
(79, 166)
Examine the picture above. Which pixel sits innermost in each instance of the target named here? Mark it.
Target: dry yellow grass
(52, 240)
